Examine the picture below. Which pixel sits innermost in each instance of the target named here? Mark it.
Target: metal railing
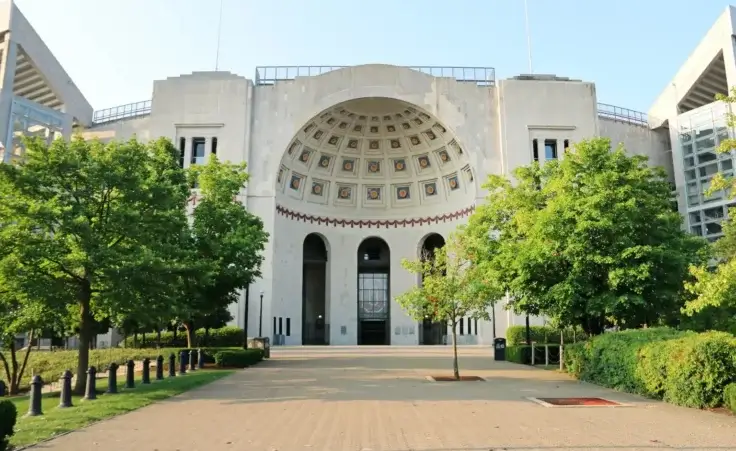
(129, 110)
(617, 113)
(482, 76)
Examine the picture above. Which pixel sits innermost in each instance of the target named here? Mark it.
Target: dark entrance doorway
(431, 332)
(374, 312)
(315, 329)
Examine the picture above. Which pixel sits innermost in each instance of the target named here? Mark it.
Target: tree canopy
(97, 228)
(591, 240)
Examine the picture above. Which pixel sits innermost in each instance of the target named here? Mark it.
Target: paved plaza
(371, 399)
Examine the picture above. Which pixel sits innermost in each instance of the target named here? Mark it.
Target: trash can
(499, 349)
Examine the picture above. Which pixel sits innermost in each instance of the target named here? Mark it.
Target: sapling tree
(451, 288)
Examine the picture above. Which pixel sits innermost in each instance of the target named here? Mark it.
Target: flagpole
(219, 34)
(528, 36)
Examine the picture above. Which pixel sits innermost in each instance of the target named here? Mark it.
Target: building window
(182, 146)
(462, 326)
(535, 150)
(198, 151)
(566, 145)
(550, 149)
(214, 146)
(281, 325)
(475, 326)
(288, 327)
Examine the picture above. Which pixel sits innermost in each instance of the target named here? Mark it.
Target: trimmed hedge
(8, 417)
(50, 364)
(684, 368)
(224, 337)
(519, 354)
(241, 358)
(729, 396)
(516, 335)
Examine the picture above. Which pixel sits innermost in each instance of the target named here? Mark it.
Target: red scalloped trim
(374, 223)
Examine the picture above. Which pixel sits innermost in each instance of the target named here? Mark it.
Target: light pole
(245, 319)
(260, 318)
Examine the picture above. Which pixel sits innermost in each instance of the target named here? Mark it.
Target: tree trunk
(562, 343)
(158, 338)
(455, 368)
(85, 337)
(189, 328)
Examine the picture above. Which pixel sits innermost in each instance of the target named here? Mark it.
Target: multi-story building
(355, 168)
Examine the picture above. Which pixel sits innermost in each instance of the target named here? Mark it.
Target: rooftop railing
(482, 76)
(620, 114)
(126, 111)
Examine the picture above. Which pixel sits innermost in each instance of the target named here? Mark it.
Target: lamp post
(260, 317)
(245, 317)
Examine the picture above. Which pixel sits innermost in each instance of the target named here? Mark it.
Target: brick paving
(377, 399)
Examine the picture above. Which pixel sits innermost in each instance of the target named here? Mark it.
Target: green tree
(450, 289)
(226, 238)
(96, 227)
(598, 244)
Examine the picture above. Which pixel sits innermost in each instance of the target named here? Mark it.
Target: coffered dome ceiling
(376, 153)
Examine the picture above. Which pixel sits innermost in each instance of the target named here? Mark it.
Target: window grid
(373, 296)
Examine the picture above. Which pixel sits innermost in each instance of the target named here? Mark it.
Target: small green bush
(8, 417)
(209, 353)
(683, 368)
(241, 358)
(729, 396)
(519, 354)
(224, 337)
(516, 335)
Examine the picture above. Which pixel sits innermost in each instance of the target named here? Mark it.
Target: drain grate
(577, 402)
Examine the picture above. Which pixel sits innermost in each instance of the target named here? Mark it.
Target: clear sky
(114, 49)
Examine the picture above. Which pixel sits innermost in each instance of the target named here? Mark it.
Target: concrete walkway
(371, 399)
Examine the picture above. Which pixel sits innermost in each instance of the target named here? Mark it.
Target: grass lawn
(29, 430)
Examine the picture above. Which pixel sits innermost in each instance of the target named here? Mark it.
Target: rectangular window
(470, 327)
(198, 150)
(535, 150)
(288, 327)
(566, 144)
(274, 325)
(462, 326)
(475, 326)
(214, 146)
(550, 149)
(182, 146)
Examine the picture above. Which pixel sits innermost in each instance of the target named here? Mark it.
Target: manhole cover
(577, 402)
(452, 379)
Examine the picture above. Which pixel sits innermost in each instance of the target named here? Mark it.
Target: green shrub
(217, 338)
(51, 364)
(516, 335)
(241, 358)
(519, 354)
(8, 417)
(683, 368)
(729, 396)
(209, 353)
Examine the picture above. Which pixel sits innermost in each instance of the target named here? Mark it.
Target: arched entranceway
(374, 303)
(315, 328)
(431, 332)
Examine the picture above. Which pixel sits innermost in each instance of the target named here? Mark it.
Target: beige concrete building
(355, 168)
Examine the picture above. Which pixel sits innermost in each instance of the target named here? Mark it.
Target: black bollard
(130, 374)
(2, 389)
(200, 354)
(193, 359)
(112, 379)
(34, 407)
(91, 391)
(160, 368)
(183, 363)
(146, 379)
(65, 398)
(172, 365)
